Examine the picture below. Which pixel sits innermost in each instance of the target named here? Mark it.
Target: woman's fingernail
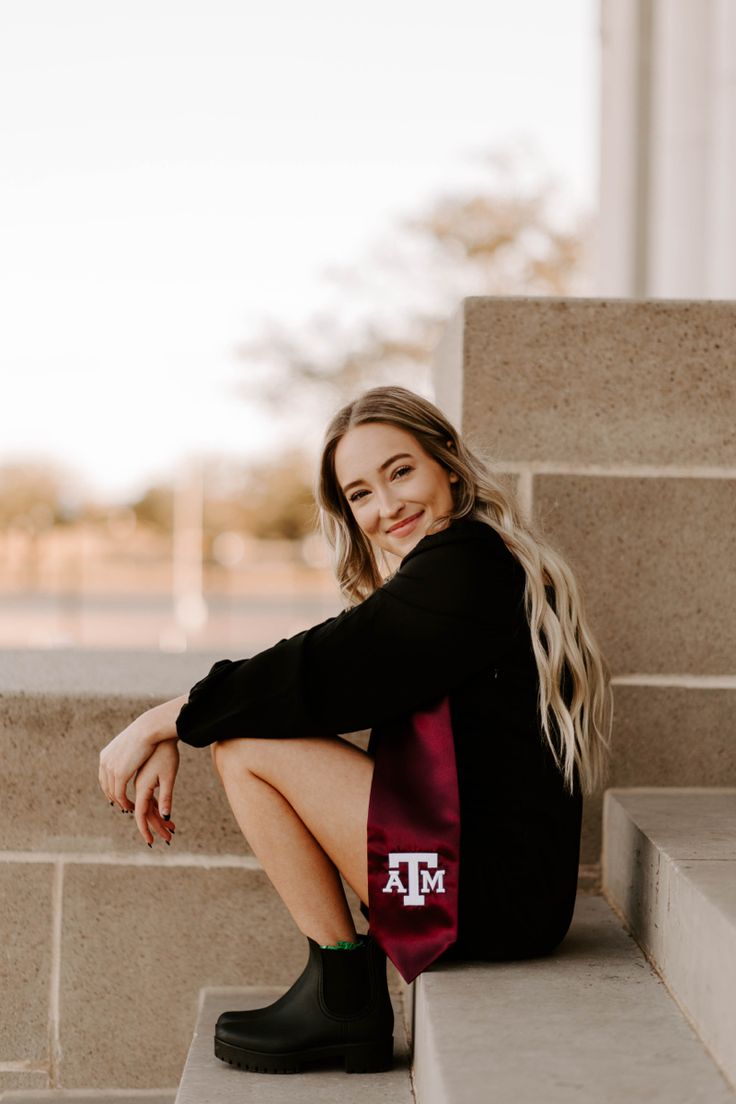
(167, 816)
(150, 845)
(168, 843)
(112, 802)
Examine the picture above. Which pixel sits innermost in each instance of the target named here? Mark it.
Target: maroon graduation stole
(414, 839)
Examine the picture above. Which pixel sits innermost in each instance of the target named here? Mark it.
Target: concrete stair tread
(206, 1079)
(593, 1022)
(87, 1096)
(669, 870)
(685, 822)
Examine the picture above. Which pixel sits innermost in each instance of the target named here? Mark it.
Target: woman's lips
(406, 526)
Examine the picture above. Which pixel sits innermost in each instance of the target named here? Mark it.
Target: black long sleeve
(446, 614)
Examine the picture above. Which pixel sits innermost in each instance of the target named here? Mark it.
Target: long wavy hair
(575, 699)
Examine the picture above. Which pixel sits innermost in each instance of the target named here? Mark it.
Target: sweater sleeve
(444, 615)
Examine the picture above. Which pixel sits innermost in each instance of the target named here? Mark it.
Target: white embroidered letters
(430, 882)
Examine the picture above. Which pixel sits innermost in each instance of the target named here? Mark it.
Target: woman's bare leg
(302, 804)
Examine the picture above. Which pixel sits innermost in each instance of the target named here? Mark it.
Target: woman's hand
(129, 750)
(158, 770)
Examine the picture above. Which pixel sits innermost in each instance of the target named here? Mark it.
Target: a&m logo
(432, 875)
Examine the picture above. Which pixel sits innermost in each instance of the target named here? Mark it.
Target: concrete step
(669, 870)
(87, 1096)
(591, 1023)
(208, 1080)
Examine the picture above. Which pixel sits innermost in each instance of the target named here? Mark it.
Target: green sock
(343, 945)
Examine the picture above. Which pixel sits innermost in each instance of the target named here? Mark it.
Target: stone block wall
(105, 942)
(615, 420)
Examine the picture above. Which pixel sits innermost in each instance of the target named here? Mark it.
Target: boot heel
(370, 1057)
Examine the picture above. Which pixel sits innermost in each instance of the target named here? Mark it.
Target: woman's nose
(389, 505)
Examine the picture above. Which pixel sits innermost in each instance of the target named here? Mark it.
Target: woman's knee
(219, 752)
(223, 751)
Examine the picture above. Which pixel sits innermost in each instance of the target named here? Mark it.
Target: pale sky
(172, 171)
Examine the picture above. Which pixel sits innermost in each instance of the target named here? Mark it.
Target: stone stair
(207, 1080)
(76, 881)
(598, 1021)
(669, 870)
(592, 1023)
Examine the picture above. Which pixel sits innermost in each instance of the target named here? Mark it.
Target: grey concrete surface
(137, 945)
(650, 555)
(591, 1024)
(62, 808)
(669, 868)
(22, 1080)
(25, 963)
(207, 1079)
(593, 380)
(147, 676)
(653, 745)
(89, 1096)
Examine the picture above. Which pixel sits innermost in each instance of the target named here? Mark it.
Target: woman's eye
(404, 468)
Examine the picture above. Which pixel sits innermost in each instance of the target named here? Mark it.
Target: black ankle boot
(339, 1006)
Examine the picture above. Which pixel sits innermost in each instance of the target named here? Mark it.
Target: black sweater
(450, 620)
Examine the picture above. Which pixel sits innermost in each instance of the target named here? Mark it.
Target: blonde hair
(575, 698)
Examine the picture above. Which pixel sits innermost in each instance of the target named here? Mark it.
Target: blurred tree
(155, 507)
(36, 494)
(271, 500)
(503, 239)
(279, 500)
(506, 240)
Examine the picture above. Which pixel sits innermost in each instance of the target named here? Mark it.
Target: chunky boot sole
(358, 1057)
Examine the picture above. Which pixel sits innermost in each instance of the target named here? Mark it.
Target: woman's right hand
(158, 770)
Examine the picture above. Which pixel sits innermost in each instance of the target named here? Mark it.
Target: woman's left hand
(121, 758)
(158, 772)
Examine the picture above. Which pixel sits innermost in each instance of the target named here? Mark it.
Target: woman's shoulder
(467, 532)
(465, 568)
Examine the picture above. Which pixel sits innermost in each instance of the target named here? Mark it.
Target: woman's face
(388, 478)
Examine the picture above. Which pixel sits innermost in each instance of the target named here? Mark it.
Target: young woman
(465, 649)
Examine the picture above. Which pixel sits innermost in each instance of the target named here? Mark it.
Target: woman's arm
(162, 719)
(450, 611)
(129, 750)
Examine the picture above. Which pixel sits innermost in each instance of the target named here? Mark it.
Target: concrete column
(668, 149)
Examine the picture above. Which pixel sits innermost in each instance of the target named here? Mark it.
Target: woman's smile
(407, 525)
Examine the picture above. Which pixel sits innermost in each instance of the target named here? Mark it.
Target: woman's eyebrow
(384, 465)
